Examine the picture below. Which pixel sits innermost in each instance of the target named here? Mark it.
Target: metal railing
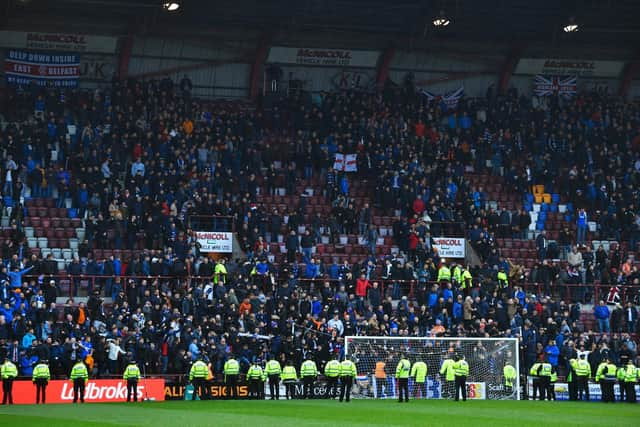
(72, 286)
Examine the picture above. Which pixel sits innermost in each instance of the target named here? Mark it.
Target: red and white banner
(577, 67)
(346, 162)
(61, 391)
(63, 42)
(323, 57)
(449, 247)
(214, 241)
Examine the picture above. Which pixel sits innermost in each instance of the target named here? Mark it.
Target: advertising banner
(562, 391)
(210, 241)
(61, 391)
(579, 67)
(58, 41)
(319, 57)
(217, 390)
(450, 247)
(42, 68)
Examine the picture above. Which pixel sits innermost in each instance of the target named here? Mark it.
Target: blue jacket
(552, 353)
(15, 277)
(601, 312)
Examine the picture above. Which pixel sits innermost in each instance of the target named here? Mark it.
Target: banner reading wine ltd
(61, 391)
(45, 69)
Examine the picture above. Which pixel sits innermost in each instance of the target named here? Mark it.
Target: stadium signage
(215, 241)
(450, 247)
(321, 57)
(175, 391)
(60, 391)
(58, 41)
(577, 67)
(42, 68)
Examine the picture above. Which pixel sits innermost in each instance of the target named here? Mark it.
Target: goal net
(376, 359)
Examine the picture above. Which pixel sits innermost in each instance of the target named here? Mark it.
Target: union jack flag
(550, 85)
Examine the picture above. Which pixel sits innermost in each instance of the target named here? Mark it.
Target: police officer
(132, 376)
(289, 378)
(198, 375)
(620, 376)
(583, 372)
(40, 378)
(8, 372)
(231, 371)
(347, 374)
(273, 371)
(449, 375)
(308, 373)
(80, 377)
(544, 373)
(572, 380)
(254, 376)
(553, 379)
(606, 376)
(535, 382)
(461, 368)
(332, 372)
(510, 375)
(630, 378)
(419, 375)
(444, 274)
(402, 375)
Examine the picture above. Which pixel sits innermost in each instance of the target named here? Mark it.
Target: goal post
(376, 359)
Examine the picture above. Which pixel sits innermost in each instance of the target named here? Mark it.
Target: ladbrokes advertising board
(61, 391)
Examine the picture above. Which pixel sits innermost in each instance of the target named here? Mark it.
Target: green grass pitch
(325, 413)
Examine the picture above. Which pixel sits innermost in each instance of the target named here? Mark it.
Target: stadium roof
(602, 22)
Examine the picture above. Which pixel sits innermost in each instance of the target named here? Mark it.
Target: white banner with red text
(450, 247)
(214, 241)
(61, 391)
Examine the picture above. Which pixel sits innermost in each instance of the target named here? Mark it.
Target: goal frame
(515, 341)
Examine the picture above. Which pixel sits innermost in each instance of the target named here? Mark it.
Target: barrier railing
(109, 286)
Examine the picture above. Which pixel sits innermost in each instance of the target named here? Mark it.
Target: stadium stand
(103, 217)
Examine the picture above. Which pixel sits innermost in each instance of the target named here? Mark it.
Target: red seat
(55, 222)
(59, 233)
(43, 212)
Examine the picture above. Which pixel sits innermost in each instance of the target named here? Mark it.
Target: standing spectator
(292, 246)
(582, 224)
(541, 245)
(601, 312)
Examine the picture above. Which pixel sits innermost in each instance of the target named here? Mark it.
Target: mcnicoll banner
(323, 57)
(215, 241)
(46, 69)
(61, 391)
(450, 247)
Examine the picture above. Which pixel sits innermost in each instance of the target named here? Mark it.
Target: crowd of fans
(141, 160)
